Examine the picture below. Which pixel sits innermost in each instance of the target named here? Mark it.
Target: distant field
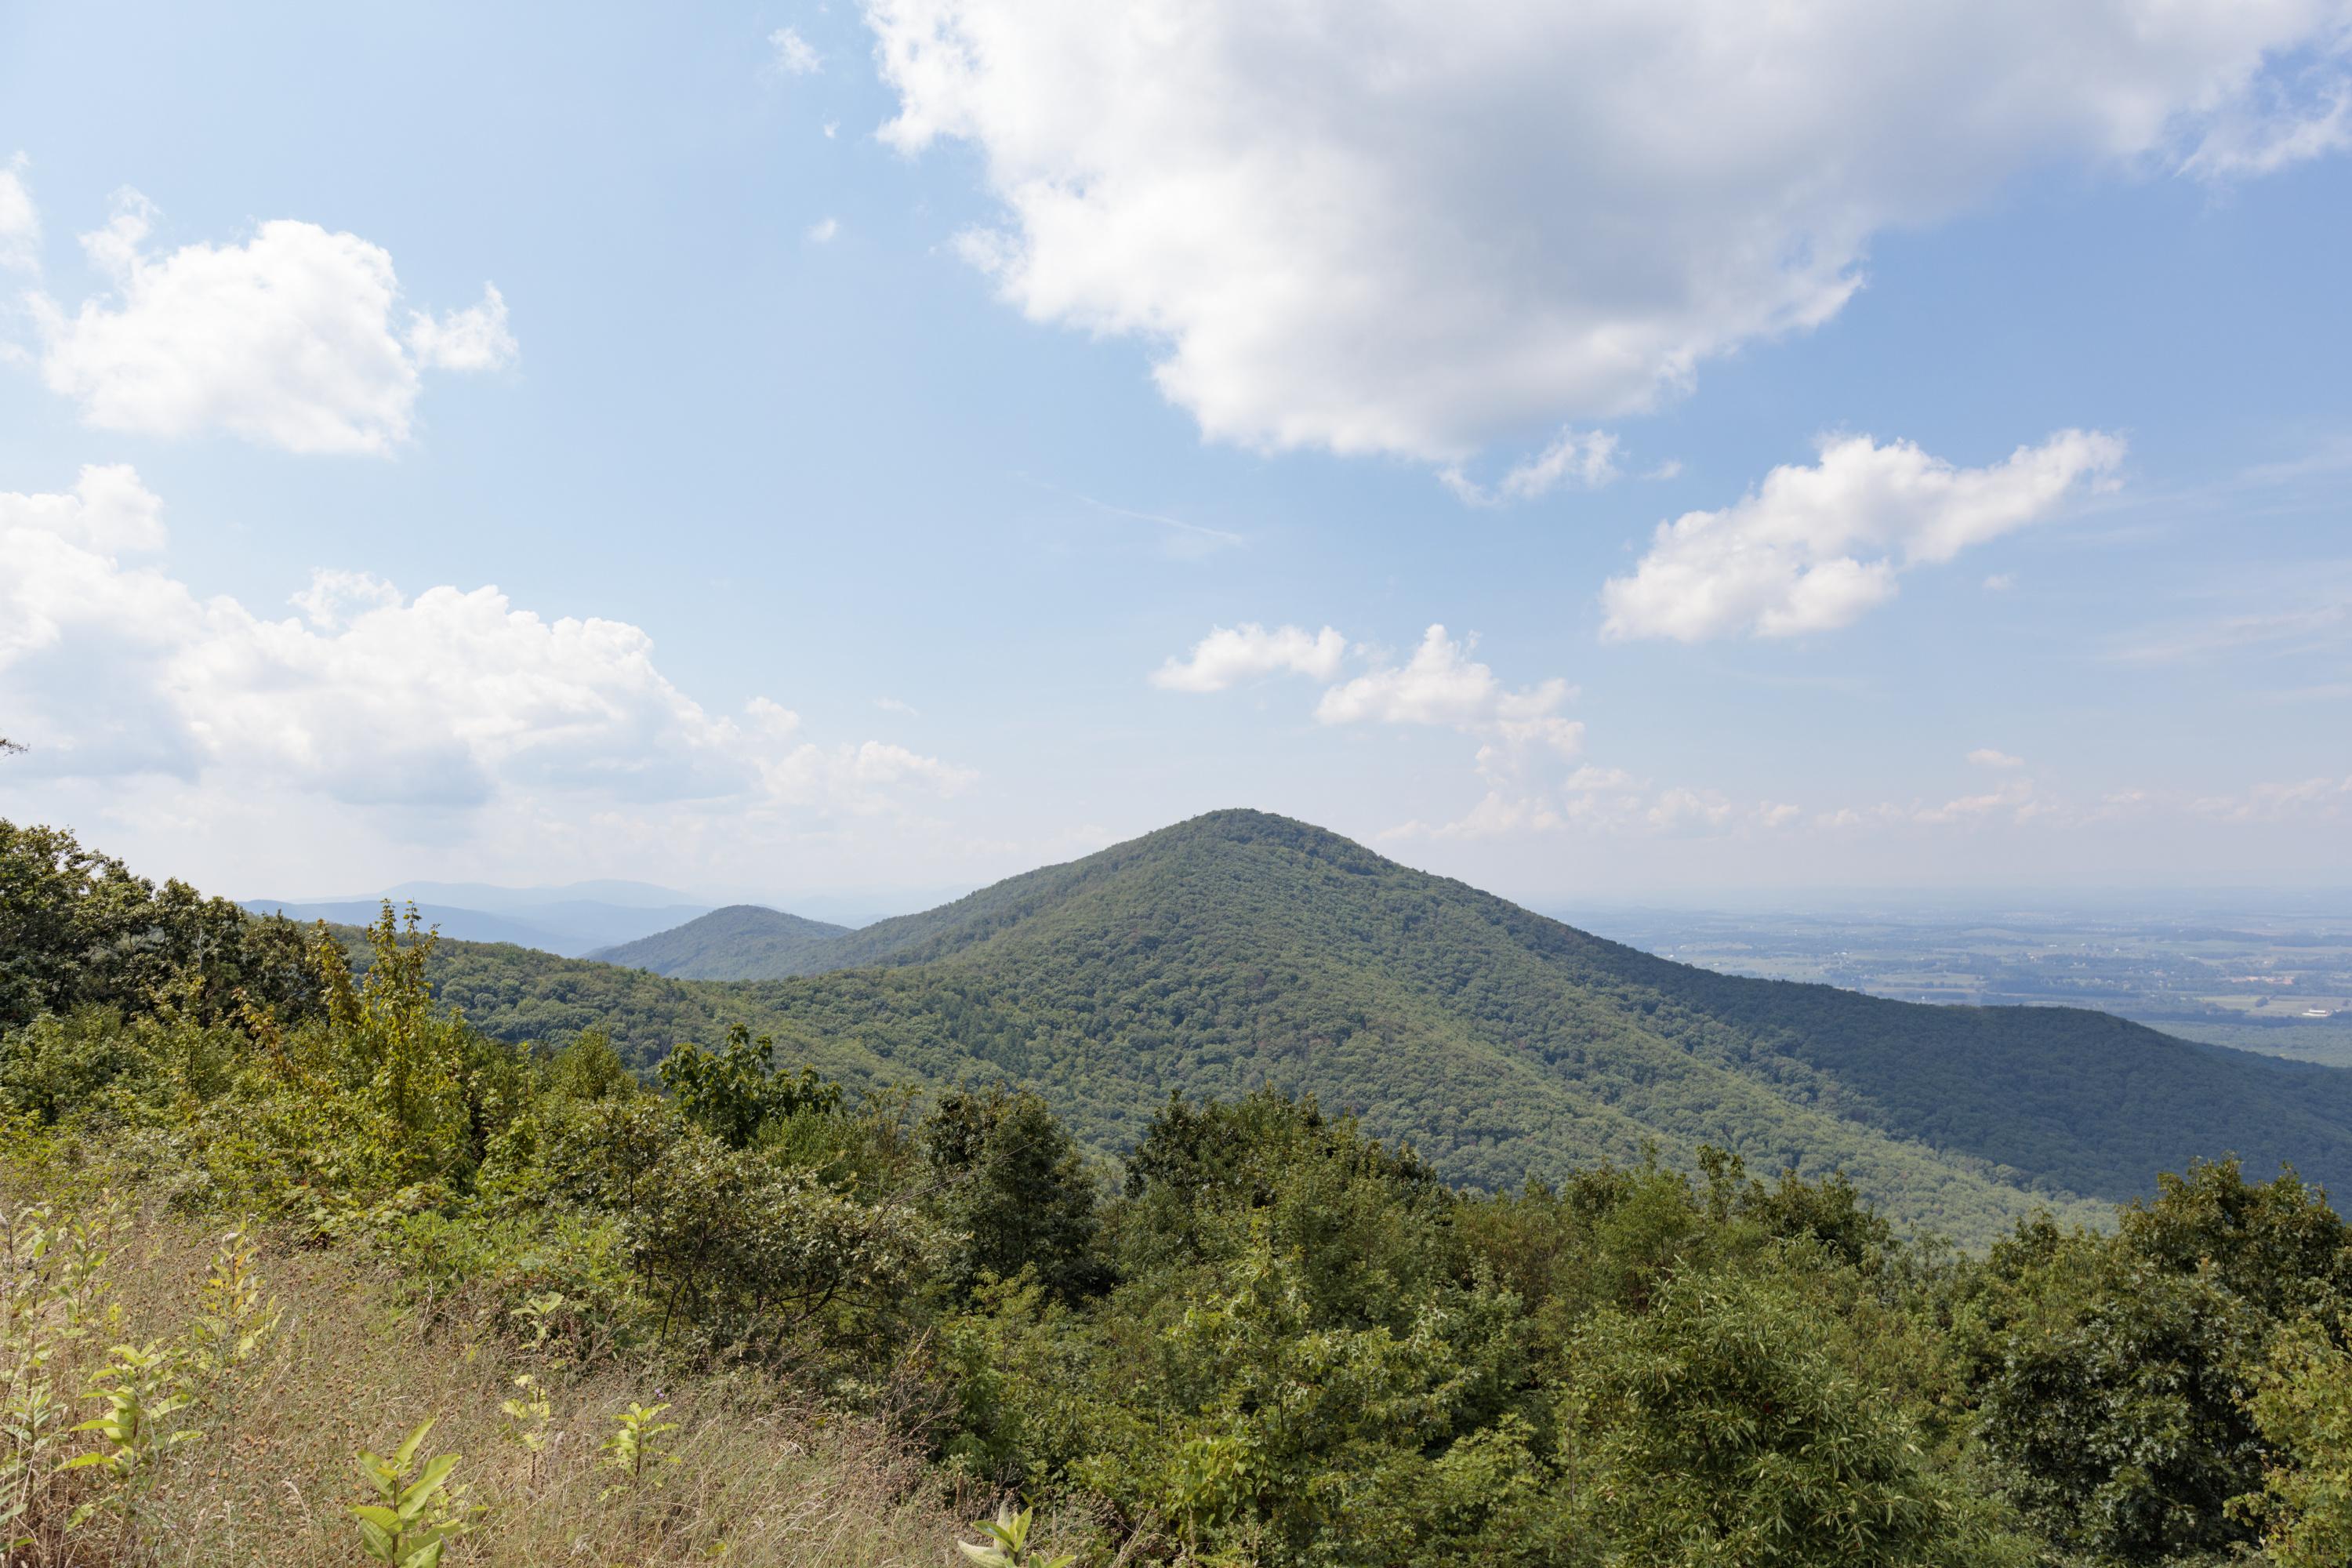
(2327, 1041)
(2248, 979)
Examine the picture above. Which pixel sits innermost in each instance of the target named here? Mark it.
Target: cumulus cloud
(823, 231)
(445, 702)
(1440, 684)
(335, 596)
(292, 339)
(20, 220)
(1231, 655)
(1413, 228)
(1522, 737)
(1988, 757)
(1812, 549)
(107, 510)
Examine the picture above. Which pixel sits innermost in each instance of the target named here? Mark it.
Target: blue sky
(911, 443)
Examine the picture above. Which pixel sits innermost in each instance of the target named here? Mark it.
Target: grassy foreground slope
(1241, 948)
(765, 1474)
(742, 942)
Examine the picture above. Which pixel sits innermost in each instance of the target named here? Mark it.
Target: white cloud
(894, 705)
(20, 220)
(448, 701)
(334, 596)
(831, 129)
(287, 340)
(472, 339)
(1413, 228)
(2278, 127)
(794, 57)
(2001, 582)
(1812, 549)
(1987, 757)
(1587, 458)
(1231, 655)
(823, 231)
(108, 510)
(1521, 735)
(1440, 684)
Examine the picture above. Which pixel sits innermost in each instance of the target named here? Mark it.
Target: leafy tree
(392, 1040)
(589, 1068)
(1371, 1221)
(752, 1250)
(1719, 1427)
(735, 1091)
(2276, 1244)
(1012, 1182)
(2302, 1406)
(77, 929)
(93, 1061)
(2114, 1391)
(2114, 1373)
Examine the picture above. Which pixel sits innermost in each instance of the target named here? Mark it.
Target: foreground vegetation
(284, 1244)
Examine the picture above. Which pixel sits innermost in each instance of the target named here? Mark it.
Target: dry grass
(764, 1477)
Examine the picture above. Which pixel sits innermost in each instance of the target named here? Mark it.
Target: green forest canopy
(1240, 949)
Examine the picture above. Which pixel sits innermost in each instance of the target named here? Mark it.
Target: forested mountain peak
(1241, 948)
(1250, 863)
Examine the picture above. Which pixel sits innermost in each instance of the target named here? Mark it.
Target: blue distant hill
(568, 922)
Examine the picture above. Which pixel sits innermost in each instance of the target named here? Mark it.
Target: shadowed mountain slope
(742, 942)
(1239, 948)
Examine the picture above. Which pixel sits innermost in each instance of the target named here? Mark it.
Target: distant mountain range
(602, 919)
(567, 921)
(742, 942)
(1239, 949)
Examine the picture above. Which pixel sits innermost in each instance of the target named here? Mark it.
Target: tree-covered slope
(1241, 948)
(2060, 1096)
(742, 942)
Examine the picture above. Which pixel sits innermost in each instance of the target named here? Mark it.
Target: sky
(1598, 451)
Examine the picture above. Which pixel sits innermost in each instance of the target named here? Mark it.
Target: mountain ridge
(739, 941)
(1239, 949)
